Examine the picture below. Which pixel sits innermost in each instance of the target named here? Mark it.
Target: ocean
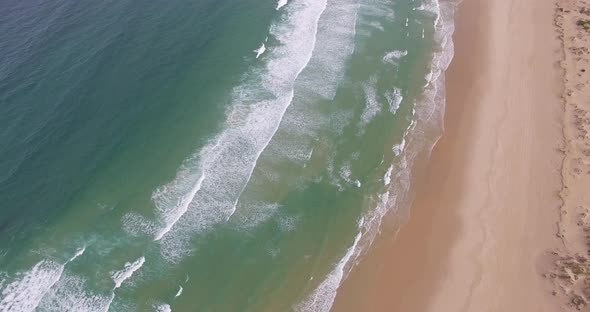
(199, 155)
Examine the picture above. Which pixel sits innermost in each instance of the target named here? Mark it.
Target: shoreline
(486, 208)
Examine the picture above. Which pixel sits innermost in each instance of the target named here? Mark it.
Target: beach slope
(486, 212)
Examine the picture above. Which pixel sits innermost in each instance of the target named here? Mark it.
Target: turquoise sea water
(199, 155)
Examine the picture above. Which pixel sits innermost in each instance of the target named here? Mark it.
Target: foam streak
(225, 165)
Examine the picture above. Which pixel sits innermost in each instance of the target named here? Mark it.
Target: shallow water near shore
(210, 156)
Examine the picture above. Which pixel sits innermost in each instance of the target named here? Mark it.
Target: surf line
(229, 144)
(122, 275)
(261, 49)
(184, 203)
(281, 4)
(32, 294)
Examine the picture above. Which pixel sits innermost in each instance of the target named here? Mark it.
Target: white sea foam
(171, 216)
(318, 82)
(295, 140)
(228, 160)
(27, 289)
(383, 205)
(394, 99)
(78, 253)
(399, 148)
(346, 175)
(122, 275)
(372, 105)
(252, 213)
(70, 294)
(374, 12)
(308, 158)
(260, 50)
(280, 4)
(432, 7)
(272, 250)
(130, 267)
(434, 90)
(287, 223)
(162, 307)
(378, 9)
(323, 296)
(393, 56)
(179, 292)
(336, 44)
(376, 25)
(40, 286)
(387, 176)
(135, 225)
(334, 178)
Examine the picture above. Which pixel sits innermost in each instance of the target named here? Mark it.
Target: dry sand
(485, 218)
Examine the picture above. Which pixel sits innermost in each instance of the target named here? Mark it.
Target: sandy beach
(483, 231)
